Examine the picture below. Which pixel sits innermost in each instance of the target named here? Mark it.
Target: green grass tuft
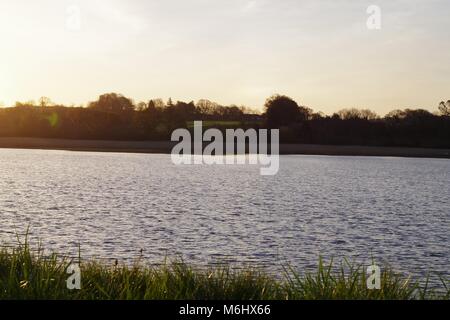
(28, 274)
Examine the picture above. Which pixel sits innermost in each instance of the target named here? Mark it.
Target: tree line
(115, 117)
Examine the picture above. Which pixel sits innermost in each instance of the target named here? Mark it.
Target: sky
(319, 52)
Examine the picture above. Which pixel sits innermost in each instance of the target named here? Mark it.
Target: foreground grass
(27, 274)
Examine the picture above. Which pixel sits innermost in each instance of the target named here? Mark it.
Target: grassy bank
(27, 274)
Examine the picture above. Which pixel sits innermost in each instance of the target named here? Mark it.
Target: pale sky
(319, 52)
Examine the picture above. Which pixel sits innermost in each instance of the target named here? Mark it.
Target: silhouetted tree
(281, 111)
(206, 107)
(396, 115)
(156, 104)
(30, 103)
(353, 114)
(113, 103)
(305, 113)
(444, 108)
(367, 114)
(114, 117)
(45, 102)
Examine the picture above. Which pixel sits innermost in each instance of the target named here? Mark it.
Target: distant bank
(166, 147)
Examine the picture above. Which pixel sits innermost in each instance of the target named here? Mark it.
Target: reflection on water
(395, 210)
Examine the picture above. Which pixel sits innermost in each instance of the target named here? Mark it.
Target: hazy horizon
(320, 53)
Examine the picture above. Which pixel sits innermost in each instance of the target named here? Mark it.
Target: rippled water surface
(393, 209)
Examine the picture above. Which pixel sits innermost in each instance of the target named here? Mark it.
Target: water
(121, 206)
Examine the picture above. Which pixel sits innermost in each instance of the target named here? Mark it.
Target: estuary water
(125, 206)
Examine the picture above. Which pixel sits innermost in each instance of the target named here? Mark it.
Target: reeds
(29, 274)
